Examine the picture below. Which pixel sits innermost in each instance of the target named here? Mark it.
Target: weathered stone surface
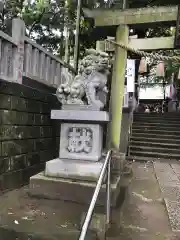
(74, 169)
(145, 43)
(22, 104)
(5, 101)
(33, 158)
(74, 191)
(27, 134)
(39, 219)
(165, 173)
(15, 147)
(40, 119)
(56, 128)
(45, 108)
(18, 103)
(176, 169)
(42, 144)
(144, 171)
(30, 171)
(57, 142)
(18, 162)
(4, 164)
(31, 132)
(79, 107)
(109, 17)
(91, 80)
(171, 192)
(97, 224)
(91, 136)
(45, 131)
(80, 116)
(117, 163)
(12, 180)
(47, 155)
(173, 209)
(19, 118)
(22, 91)
(19, 132)
(6, 233)
(64, 234)
(170, 187)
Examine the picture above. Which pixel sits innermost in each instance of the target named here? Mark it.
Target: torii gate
(123, 19)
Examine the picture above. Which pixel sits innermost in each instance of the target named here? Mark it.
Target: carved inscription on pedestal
(80, 140)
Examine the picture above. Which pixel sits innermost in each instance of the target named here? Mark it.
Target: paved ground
(151, 210)
(24, 218)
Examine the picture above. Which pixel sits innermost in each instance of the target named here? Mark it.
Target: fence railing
(7, 51)
(20, 56)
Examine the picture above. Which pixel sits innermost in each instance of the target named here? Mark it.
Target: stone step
(10, 234)
(154, 127)
(155, 139)
(77, 191)
(156, 131)
(157, 124)
(157, 155)
(165, 115)
(159, 120)
(149, 159)
(155, 149)
(155, 144)
(153, 135)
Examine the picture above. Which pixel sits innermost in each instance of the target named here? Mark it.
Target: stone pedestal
(81, 140)
(73, 175)
(89, 146)
(74, 169)
(79, 191)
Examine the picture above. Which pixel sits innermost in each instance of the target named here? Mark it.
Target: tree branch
(36, 22)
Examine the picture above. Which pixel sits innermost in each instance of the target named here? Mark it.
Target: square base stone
(80, 115)
(69, 190)
(81, 141)
(74, 169)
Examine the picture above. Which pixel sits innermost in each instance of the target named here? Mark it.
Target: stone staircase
(155, 136)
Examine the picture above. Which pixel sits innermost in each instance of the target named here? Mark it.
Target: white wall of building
(155, 92)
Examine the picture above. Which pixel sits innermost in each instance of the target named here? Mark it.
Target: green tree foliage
(45, 20)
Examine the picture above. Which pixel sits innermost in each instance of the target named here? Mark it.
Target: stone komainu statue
(91, 80)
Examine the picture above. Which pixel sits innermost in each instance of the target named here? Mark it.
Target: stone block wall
(28, 137)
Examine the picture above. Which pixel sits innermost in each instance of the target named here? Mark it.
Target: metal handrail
(106, 167)
(130, 131)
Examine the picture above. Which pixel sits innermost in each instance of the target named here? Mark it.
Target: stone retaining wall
(28, 137)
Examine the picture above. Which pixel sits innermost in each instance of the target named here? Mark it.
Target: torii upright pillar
(124, 17)
(117, 87)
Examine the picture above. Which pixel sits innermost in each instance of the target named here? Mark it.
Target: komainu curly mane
(92, 77)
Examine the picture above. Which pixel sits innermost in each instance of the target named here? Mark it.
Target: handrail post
(95, 196)
(108, 200)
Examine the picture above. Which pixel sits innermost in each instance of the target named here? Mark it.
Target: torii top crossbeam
(135, 16)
